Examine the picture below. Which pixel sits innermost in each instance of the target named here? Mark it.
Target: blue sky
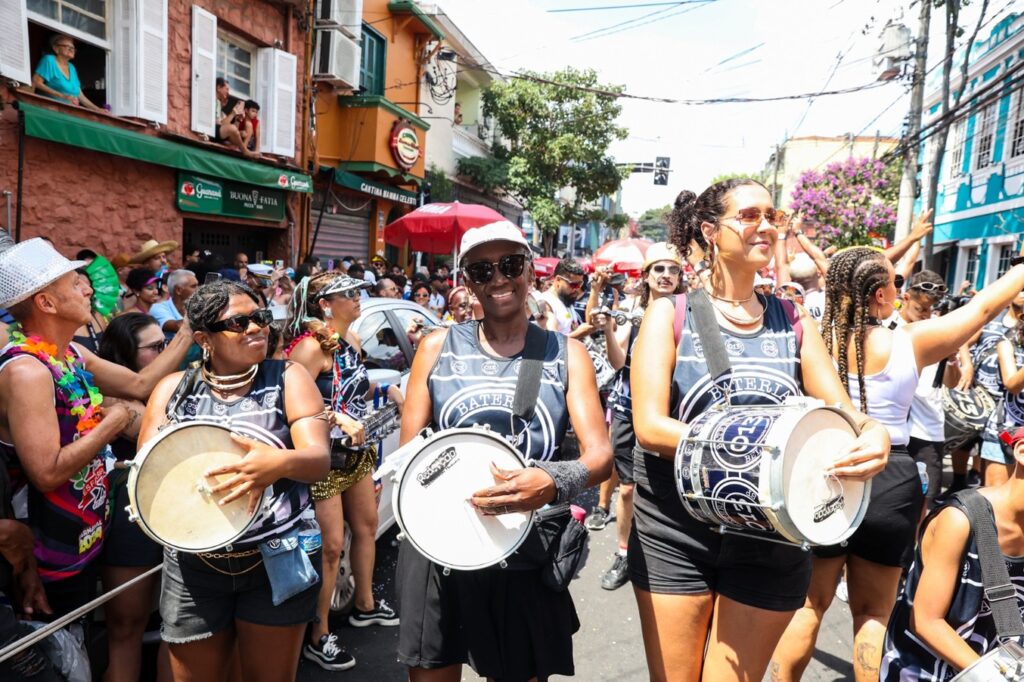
(724, 48)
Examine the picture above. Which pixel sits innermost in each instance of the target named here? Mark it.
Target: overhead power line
(636, 6)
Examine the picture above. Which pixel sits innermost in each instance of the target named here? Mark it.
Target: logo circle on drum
(736, 443)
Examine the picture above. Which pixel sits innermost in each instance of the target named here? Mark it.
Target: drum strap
(708, 332)
(530, 369)
(184, 389)
(999, 590)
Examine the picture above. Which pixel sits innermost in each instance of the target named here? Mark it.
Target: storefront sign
(199, 194)
(353, 181)
(405, 144)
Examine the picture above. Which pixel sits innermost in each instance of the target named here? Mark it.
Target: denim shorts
(992, 451)
(199, 599)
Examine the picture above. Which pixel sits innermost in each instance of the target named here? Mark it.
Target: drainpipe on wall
(21, 171)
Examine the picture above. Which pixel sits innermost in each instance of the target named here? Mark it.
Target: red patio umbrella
(545, 267)
(623, 255)
(438, 228)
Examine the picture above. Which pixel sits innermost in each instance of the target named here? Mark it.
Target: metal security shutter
(342, 234)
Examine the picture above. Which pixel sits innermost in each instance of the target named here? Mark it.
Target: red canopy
(545, 266)
(624, 255)
(438, 228)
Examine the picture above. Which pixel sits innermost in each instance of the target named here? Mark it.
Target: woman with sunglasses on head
(215, 604)
(715, 605)
(881, 369)
(132, 340)
(323, 310)
(506, 623)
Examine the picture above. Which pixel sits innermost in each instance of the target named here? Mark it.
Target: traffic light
(661, 170)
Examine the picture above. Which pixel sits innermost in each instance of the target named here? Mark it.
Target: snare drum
(169, 496)
(966, 412)
(760, 471)
(1004, 662)
(431, 498)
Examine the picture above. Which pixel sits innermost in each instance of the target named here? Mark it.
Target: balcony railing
(466, 142)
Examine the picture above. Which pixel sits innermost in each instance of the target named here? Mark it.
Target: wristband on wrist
(570, 478)
(1016, 260)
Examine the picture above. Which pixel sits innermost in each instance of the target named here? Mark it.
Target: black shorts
(504, 623)
(670, 552)
(198, 600)
(623, 439)
(125, 544)
(930, 454)
(886, 535)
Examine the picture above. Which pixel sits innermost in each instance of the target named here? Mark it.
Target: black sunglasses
(239, 323)
(482, 272)
(899, 281)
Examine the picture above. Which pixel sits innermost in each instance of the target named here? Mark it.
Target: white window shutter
(204, 71)
(124, 73)
(152, 64)
(276, 93)
(14, 59)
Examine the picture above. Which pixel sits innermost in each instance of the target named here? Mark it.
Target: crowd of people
(273, 354)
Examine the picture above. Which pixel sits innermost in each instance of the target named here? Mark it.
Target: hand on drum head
(515, 491)
(866, 457)
(259, 468)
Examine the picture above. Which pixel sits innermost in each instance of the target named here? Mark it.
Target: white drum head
(166, 484)
(825, 509)
(431, 500)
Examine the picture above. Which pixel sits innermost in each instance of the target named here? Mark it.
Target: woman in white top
(880, 368)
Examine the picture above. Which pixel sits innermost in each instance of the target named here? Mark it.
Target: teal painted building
(979, 218)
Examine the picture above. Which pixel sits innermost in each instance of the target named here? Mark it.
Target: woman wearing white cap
(507, 624)
(51, 412)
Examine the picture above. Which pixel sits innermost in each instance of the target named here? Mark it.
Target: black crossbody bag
(558, 543)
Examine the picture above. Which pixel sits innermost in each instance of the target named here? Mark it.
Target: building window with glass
(1016, 129)
(373, 64)
(971, 264)
(87, 16)
(235, 65)
(956, 149)
(1005, 255)
(984, 136)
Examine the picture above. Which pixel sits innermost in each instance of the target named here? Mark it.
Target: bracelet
(570, 478)
(1016, 260)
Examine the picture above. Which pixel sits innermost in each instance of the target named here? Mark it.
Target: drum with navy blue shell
(763, 471)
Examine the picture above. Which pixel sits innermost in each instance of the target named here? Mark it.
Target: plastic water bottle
(922, 471)
(309, 532)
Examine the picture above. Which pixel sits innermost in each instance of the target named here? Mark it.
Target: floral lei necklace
(69, 374)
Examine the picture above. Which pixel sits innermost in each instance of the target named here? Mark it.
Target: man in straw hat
(153, 255)
(51, 412)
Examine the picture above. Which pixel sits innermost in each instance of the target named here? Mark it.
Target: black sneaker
(382, 614)
(974, 479)
(597, 519)
(616, 576)
(327, 654)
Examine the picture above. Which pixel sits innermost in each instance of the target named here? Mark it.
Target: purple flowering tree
(848, 201)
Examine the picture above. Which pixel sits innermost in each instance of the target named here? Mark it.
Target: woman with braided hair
(880, 367)
(322, 312)
(701, 594)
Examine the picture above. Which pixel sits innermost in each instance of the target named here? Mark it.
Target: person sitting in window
(251, 134)
(230, 121)
(56, 77)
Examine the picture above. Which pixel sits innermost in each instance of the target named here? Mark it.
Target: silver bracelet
(570, 478)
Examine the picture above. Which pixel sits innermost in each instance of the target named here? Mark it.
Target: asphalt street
(607, 647)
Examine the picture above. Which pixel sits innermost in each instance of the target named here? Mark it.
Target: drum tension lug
(503, 564)
(400, 537)
(446, 571)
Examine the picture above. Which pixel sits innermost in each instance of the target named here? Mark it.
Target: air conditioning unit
(344, 15)
(337, 58)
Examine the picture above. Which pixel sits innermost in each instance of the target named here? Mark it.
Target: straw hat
(662, 251)
(29, 267)
(152, 248)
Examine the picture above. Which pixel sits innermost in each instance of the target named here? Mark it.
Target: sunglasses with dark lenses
(572, 284)
(931, 288)
(749, 217)
(239, 323)
(159, 346)
(670, 269)
(899, 281)
(482, 272)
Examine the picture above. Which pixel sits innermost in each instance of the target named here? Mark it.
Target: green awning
(375, 189)
(410, 7)
(55, 126)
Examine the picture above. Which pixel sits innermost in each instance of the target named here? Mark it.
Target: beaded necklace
(70, 375)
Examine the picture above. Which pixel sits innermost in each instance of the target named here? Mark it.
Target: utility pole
(775, 177)
(911, 148)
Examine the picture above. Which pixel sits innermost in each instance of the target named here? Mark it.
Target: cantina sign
(198, 194)
(405, 144)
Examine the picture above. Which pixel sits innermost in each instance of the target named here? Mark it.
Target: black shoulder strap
(999, 590)
(530, 369)
(708, 332)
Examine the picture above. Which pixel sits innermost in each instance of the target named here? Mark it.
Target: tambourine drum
(1003, 662)
(967, 412)
(169, 496)
(431, 498)
(761, 471)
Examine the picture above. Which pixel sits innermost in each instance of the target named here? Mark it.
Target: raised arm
(121, 382)
(921, 228)
(812, 250)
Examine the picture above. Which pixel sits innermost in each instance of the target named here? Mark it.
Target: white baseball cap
(501, 231)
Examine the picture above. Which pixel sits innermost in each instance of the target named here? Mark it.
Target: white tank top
(891, 391)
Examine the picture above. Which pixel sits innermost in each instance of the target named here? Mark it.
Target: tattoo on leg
(776, 673)
(867, 654)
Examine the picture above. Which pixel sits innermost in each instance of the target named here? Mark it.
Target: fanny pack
(289, 569)
(557, 545)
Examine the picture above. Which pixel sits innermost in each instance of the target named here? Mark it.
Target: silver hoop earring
(327, 313)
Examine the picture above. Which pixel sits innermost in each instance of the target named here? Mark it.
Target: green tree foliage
(557, 129)
(729, 176)
(489, 173)
(442, 189)
(653, 223)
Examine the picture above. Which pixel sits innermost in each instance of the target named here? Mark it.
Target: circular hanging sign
(405, 144)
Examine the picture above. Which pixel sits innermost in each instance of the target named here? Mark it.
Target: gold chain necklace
(229, 382)
(741, 321)
(736, 302)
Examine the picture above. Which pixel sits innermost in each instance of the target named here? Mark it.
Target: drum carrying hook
(774, 507)
(723, 530)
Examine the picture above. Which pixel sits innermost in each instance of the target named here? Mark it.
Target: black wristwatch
(1017, 260)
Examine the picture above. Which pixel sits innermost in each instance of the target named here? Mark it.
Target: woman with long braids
(880, 368)
(323, 310)
(715, 605)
